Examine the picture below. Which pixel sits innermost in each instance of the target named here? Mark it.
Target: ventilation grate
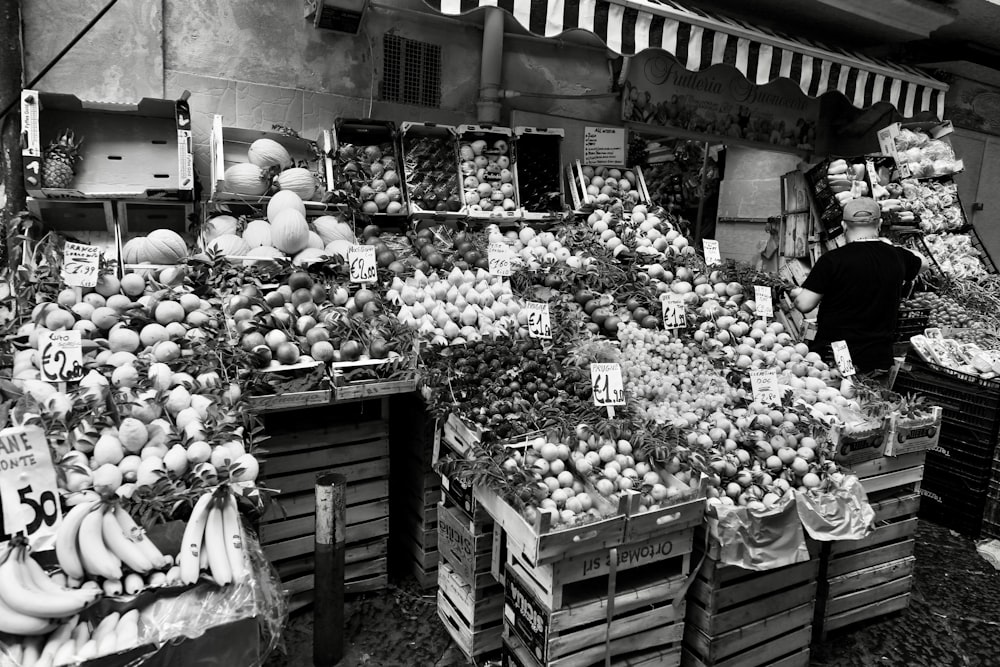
(412, 72)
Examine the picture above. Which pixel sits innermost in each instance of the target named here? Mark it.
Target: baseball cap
(862, 211)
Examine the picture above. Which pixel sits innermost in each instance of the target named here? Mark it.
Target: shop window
(412, 72)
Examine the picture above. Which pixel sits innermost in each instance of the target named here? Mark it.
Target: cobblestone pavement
(953, 620)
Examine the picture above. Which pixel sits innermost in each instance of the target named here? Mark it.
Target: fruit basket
(433, 186)
(538, 172)
(489, 172)
(366, 164)
(599, 187)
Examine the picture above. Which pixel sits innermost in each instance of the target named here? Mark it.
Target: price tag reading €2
(80, 264)
(712, 253)
(61, 354)
(29, 500)
(764, 383)
(842, 356)
(361, 260)
(606, 380)
(499, 258)
(674, 311)
(539, 324)
(762, 297)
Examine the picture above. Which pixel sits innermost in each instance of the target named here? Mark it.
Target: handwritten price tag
(361, 260)
(764, 383)
(28, 489)
(712, 254)
(539, 324)
(499, 257)
(842, 356)
(62, 356)
(674, 311)
(606, 380)
(762, 297)
(80, 264)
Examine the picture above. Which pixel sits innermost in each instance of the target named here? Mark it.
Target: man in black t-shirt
(858, 288)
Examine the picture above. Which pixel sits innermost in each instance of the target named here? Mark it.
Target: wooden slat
(844, 603)
(883, 535)
(301, 545)
(325, 457)
(306, 481)
(289, 528)
(291, 569)
(869, 558)
(700, 649)
(653, 590)
(571, 642)
(897, 507)
(716, 598)
(873, 576)
(738, 616)
(311, 439)
(292, 505)
(652, 638)
(736, 642)
(871, 611)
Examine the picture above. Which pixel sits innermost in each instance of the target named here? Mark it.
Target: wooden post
(12, 199)
(328, 607)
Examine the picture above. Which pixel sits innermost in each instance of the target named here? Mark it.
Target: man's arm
(807, 300)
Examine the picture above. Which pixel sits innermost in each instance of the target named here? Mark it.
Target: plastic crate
(948, 458)
(830, 210)
(984, 254)
(492, 164)
(967, 401)
(366, 162)
(429, 160)
(539, 172)
(953, 501)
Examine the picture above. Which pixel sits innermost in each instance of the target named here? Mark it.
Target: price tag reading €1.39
(712, 253)
(762, 297)
(499, 258)
(539, 324)
(61, 354)
(28, 487)
(674, 311)
(80, 264)
(842, 356)
(764, 383)
(606, 380)
(361, 260)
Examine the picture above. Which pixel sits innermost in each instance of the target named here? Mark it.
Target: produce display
(924, 156)
(486, 166)
(270, 168)
(539, 170)
(605, 186)
(956, 255)
(432, 181)
(935, 202)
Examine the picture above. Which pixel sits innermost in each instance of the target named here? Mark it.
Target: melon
(338, 247)
(315, 241)
(229, 245)
(266, 153)
(298, 180)
(289, 231)
(245, 179)
(282, 200)
(266, 253)
(330, 229)
(163, 246)
(257, 233)
(217, 226)
(133, 250)
(309, 256)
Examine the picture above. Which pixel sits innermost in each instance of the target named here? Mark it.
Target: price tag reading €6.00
(764, 383)
(674, 311)
(539, 324)
(28, 487)
(80, 264)
(499, 258)
(712, 253)
(61, 354)
(842, 356)
(606, 380)
(762, 297)
(361, 260)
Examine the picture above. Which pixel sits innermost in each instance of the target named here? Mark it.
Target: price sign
(764, 382)
(539, 324)
(674, 311)
(712, 254)
(61, 353)
(29, 500)
(80, 264)
(499, 258)
(762, 297)
(872, 171)
(842, 356)
(606, 380)
(361, 260)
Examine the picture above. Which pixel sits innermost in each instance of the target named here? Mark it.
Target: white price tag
(842, 356)
(80, 264)
(712, 254)
(762, 297)
(499, 257)
(872, 171)
(606, 380)
(539, 324)
(29, 493)
(361, 260)
(61, 354)
(674, 311)
(764, 383)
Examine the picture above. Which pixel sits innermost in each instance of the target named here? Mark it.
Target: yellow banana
(19, 595)
(16, 623)
(81, 634)
(15, 652)
(127, 630)
(133, 583)
(56, 639)
(138, 535)
(215, 545)
(112, 587)
(39, 579)
(232, 531)
(120, 545)
(67, 552)
(32, 649)
(64, 654)
(190, 552)
(105, 627)
(94, 554)
(87, 651)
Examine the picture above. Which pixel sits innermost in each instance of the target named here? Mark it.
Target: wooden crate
(746, 618)
(466, 545)
(473, 616)
(516, 654)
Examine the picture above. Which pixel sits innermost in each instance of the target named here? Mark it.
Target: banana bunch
(96, 539)
(30, 600)
(213, 540)
(74, 642)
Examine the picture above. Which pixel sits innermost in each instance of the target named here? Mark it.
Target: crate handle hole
(159, 142)
(161, 175)
(667, 518)
(585, 536)
(114, 157)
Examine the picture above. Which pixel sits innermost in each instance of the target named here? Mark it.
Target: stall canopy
(699, 40)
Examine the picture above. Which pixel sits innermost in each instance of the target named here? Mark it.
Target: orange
(169, 311)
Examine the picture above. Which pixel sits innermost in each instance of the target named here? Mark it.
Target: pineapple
(60, 157)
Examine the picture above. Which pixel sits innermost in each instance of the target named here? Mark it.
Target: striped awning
(699, 40)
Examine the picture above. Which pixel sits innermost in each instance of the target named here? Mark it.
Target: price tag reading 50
(606, 380)
(361, 260)
(539, 324)
(28, 490)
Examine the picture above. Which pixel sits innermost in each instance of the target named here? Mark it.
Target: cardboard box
(905, 436)
(860, 446)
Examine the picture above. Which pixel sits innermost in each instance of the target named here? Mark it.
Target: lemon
(133, 435)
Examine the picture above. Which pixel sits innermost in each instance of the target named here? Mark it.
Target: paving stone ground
(953, 620)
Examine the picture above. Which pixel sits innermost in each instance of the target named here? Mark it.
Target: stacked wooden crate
(352, 440)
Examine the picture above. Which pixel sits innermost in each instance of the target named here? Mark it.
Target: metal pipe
(328, 607)
(491, 70)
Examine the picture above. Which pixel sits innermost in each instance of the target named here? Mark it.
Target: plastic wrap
(760, 539)
(840, 512)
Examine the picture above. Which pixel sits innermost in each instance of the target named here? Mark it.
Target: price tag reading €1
(61, 354)
(499, 258)
(28, 488)
(712, 253)
(361, 260)
(80, 264)
(764, 383)
(539, 324)
(674, 311)
(606, 380)
(842, 356)
(762, 297)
